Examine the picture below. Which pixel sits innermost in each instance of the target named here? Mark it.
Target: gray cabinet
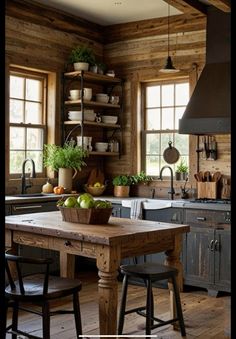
(207, 249)
(34, 207)
(171, 215)
(119, 211)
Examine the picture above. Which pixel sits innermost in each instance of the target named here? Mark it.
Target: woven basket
(86, 215)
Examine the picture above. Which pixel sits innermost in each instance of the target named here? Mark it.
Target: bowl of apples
(95, 189)
(85, 209)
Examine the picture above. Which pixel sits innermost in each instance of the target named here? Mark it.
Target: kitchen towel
(136, 209)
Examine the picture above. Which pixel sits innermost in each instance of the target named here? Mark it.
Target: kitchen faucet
(24, 186)
(172, 191)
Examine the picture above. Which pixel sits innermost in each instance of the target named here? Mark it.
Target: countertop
(179, 203)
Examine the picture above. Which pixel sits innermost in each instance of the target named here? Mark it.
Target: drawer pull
(67, 243)
(217, 245)
(18, 208)
(201, 218)
(211, 246)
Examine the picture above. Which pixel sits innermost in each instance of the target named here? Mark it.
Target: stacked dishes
(102, 97)
(101, 146)
(109, 119)
(89, 115)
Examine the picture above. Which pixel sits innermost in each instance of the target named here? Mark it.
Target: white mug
(74, 94)
(87, 93)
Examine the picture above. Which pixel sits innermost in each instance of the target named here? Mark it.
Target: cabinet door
(223, 260)
(172, 215)
(116, 210)
(199, 259)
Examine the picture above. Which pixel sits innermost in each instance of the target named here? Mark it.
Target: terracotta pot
(121, 191)
(65, 177)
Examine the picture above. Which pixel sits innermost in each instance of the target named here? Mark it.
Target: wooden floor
(205, 317)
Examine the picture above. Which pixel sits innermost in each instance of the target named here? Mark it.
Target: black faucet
(24, 186)
(172, 191)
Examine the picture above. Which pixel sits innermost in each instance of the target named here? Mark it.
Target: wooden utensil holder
(207, 190)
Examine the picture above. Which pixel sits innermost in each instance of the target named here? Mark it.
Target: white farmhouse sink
(149, 204)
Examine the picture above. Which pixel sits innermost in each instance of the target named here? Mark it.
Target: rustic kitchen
(118, 168)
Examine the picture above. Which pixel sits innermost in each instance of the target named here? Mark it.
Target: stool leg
(46, 320)
(15, 318)
(123, 304)
(77, 315)
(178, 307)
(149, 307)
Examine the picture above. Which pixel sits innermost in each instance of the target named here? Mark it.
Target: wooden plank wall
(137, 51)
(43, 38)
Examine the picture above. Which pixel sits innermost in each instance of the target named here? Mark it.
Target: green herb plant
(67, 156)
(182, 167)
(122, 180)
(141, 178)
(82, 54)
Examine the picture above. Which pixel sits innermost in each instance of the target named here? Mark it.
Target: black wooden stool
(150, 272)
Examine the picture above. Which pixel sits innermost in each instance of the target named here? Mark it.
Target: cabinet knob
(216, 245)
(211, 245)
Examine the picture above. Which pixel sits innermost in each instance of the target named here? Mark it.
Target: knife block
(207, 190)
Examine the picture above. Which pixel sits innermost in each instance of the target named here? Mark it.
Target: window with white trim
(163, 105)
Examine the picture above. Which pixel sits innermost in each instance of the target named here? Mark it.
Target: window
(163, 105)
(27, 119)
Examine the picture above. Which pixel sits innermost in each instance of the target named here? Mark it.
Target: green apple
(102, 204)
(87, 203)
(70, 202)
(84, 196)
(108, 203)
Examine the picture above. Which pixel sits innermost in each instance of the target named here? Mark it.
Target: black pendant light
(168, 68)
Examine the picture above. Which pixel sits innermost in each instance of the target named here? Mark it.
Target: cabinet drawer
(206, 217)
(34, 207)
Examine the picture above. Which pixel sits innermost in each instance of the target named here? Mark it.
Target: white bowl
(104, 98)
(109, 119)
(77, 115)
(101, 146)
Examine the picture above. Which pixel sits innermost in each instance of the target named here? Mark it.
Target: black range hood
(209, 108)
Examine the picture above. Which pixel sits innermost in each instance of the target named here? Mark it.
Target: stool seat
(149, 272)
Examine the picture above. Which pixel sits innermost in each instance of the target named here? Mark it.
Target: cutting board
(96, 175)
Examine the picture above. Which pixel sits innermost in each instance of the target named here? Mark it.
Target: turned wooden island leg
(173, 260)
(108, 260)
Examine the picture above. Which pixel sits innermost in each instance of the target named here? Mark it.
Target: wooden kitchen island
(108, 244)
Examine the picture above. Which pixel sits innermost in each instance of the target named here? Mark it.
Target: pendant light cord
(168, 29)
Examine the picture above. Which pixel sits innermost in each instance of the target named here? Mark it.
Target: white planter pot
(81, 66)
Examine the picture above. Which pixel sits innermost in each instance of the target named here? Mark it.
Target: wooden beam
(223, 5)
(188, 6)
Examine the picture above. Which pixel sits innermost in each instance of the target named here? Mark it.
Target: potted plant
(64, 159)
(82, 56)
(141, 178)
(122, 185)
(181, 172)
